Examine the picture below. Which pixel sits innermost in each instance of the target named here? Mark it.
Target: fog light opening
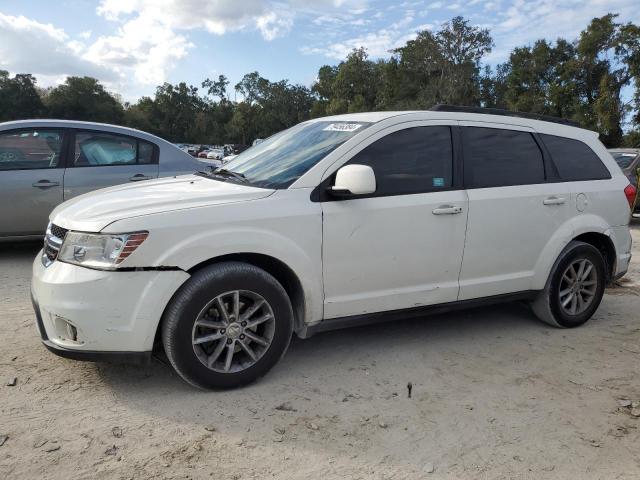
(72, 332)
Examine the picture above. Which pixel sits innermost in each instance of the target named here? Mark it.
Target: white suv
(335, 222)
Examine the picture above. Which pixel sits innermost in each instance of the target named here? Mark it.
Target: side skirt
(407, 313)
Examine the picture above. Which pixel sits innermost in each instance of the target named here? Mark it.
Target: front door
(31, 174)
(402, 246)
(100, 160)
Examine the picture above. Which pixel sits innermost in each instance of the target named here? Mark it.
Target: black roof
(505, 113)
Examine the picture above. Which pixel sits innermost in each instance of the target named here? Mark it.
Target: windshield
(623, 159)
(281, 159)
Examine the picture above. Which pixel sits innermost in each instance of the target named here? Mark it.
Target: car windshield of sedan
(623, 159)
(281, 159)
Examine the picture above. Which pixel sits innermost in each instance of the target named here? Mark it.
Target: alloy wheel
(578, 287)
(233, 331)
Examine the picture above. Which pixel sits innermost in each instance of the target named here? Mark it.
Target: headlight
(97, 250)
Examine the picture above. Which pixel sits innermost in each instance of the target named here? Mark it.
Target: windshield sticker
(438, 182)
(342, 127)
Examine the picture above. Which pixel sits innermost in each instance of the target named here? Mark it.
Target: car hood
(94, 211)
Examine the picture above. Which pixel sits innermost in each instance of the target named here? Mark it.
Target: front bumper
(100, 315)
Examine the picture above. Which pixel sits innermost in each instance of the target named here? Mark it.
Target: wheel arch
(605, 246)
(275, 267)
(272, 265)
(589, 229)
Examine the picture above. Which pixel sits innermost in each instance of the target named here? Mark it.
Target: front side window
(574, 159)
(413, 160)
(281, 159)
(499, 158)
(30, 149)
(94, 149)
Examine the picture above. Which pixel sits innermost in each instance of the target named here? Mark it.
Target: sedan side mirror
(354, 180)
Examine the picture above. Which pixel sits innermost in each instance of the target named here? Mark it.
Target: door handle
(45, 184)
(554, 201)
(447, 210)
(138, 177)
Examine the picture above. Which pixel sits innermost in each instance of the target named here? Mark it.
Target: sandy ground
(496, 394)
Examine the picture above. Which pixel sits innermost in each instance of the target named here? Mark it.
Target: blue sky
(134, 45)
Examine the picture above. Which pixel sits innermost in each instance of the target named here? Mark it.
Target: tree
(217, 88)
(608, 59)
(594, 80)
(19, 98)
(539, 79)
(443, 67)
(84, 98)
(355, 85)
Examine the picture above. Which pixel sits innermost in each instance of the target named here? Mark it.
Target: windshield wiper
(223, 172)
(229, 173)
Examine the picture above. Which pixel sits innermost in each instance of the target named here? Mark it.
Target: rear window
(499, 158)
(574, 159)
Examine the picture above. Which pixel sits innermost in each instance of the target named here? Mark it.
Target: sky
(134, 45)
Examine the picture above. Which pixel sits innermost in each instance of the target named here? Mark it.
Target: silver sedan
(45, 162)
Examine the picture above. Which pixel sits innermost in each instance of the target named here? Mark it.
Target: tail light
(630, 192)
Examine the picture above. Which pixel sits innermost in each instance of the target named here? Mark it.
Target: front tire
(227, 326)
(575, 287)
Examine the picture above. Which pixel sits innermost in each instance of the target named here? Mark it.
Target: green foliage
(83, 98)
(594, 79)
(19, 97)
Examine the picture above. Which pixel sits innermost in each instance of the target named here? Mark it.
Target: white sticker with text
(342, 127)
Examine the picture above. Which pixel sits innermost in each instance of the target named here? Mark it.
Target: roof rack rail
(507, 113)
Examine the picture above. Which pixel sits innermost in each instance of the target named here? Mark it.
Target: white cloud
(272, 26)
(27, 46)
(143, 46)
(152, 34)
(149, 37)
(522, 22)
(378, 44)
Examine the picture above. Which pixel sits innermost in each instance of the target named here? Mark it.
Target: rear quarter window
(574, 159)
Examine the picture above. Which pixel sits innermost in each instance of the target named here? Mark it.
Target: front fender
(195, 250)
(287, 227)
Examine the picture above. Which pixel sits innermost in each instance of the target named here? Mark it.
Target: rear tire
(227, 326)
(575, 287)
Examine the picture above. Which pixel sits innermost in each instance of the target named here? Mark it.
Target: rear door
(31, 175)
(102, 159)
(515, 206)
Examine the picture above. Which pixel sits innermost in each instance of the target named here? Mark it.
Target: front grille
(58, 232)
(53, 241)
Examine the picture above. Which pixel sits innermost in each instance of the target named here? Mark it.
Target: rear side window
(574, 159)
(30, 149)
(414, 160)
(499, 158)
(94, 149)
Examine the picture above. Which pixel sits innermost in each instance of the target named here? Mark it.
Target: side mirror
(354, 180)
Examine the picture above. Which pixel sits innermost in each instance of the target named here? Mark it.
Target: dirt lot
(496, 394)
